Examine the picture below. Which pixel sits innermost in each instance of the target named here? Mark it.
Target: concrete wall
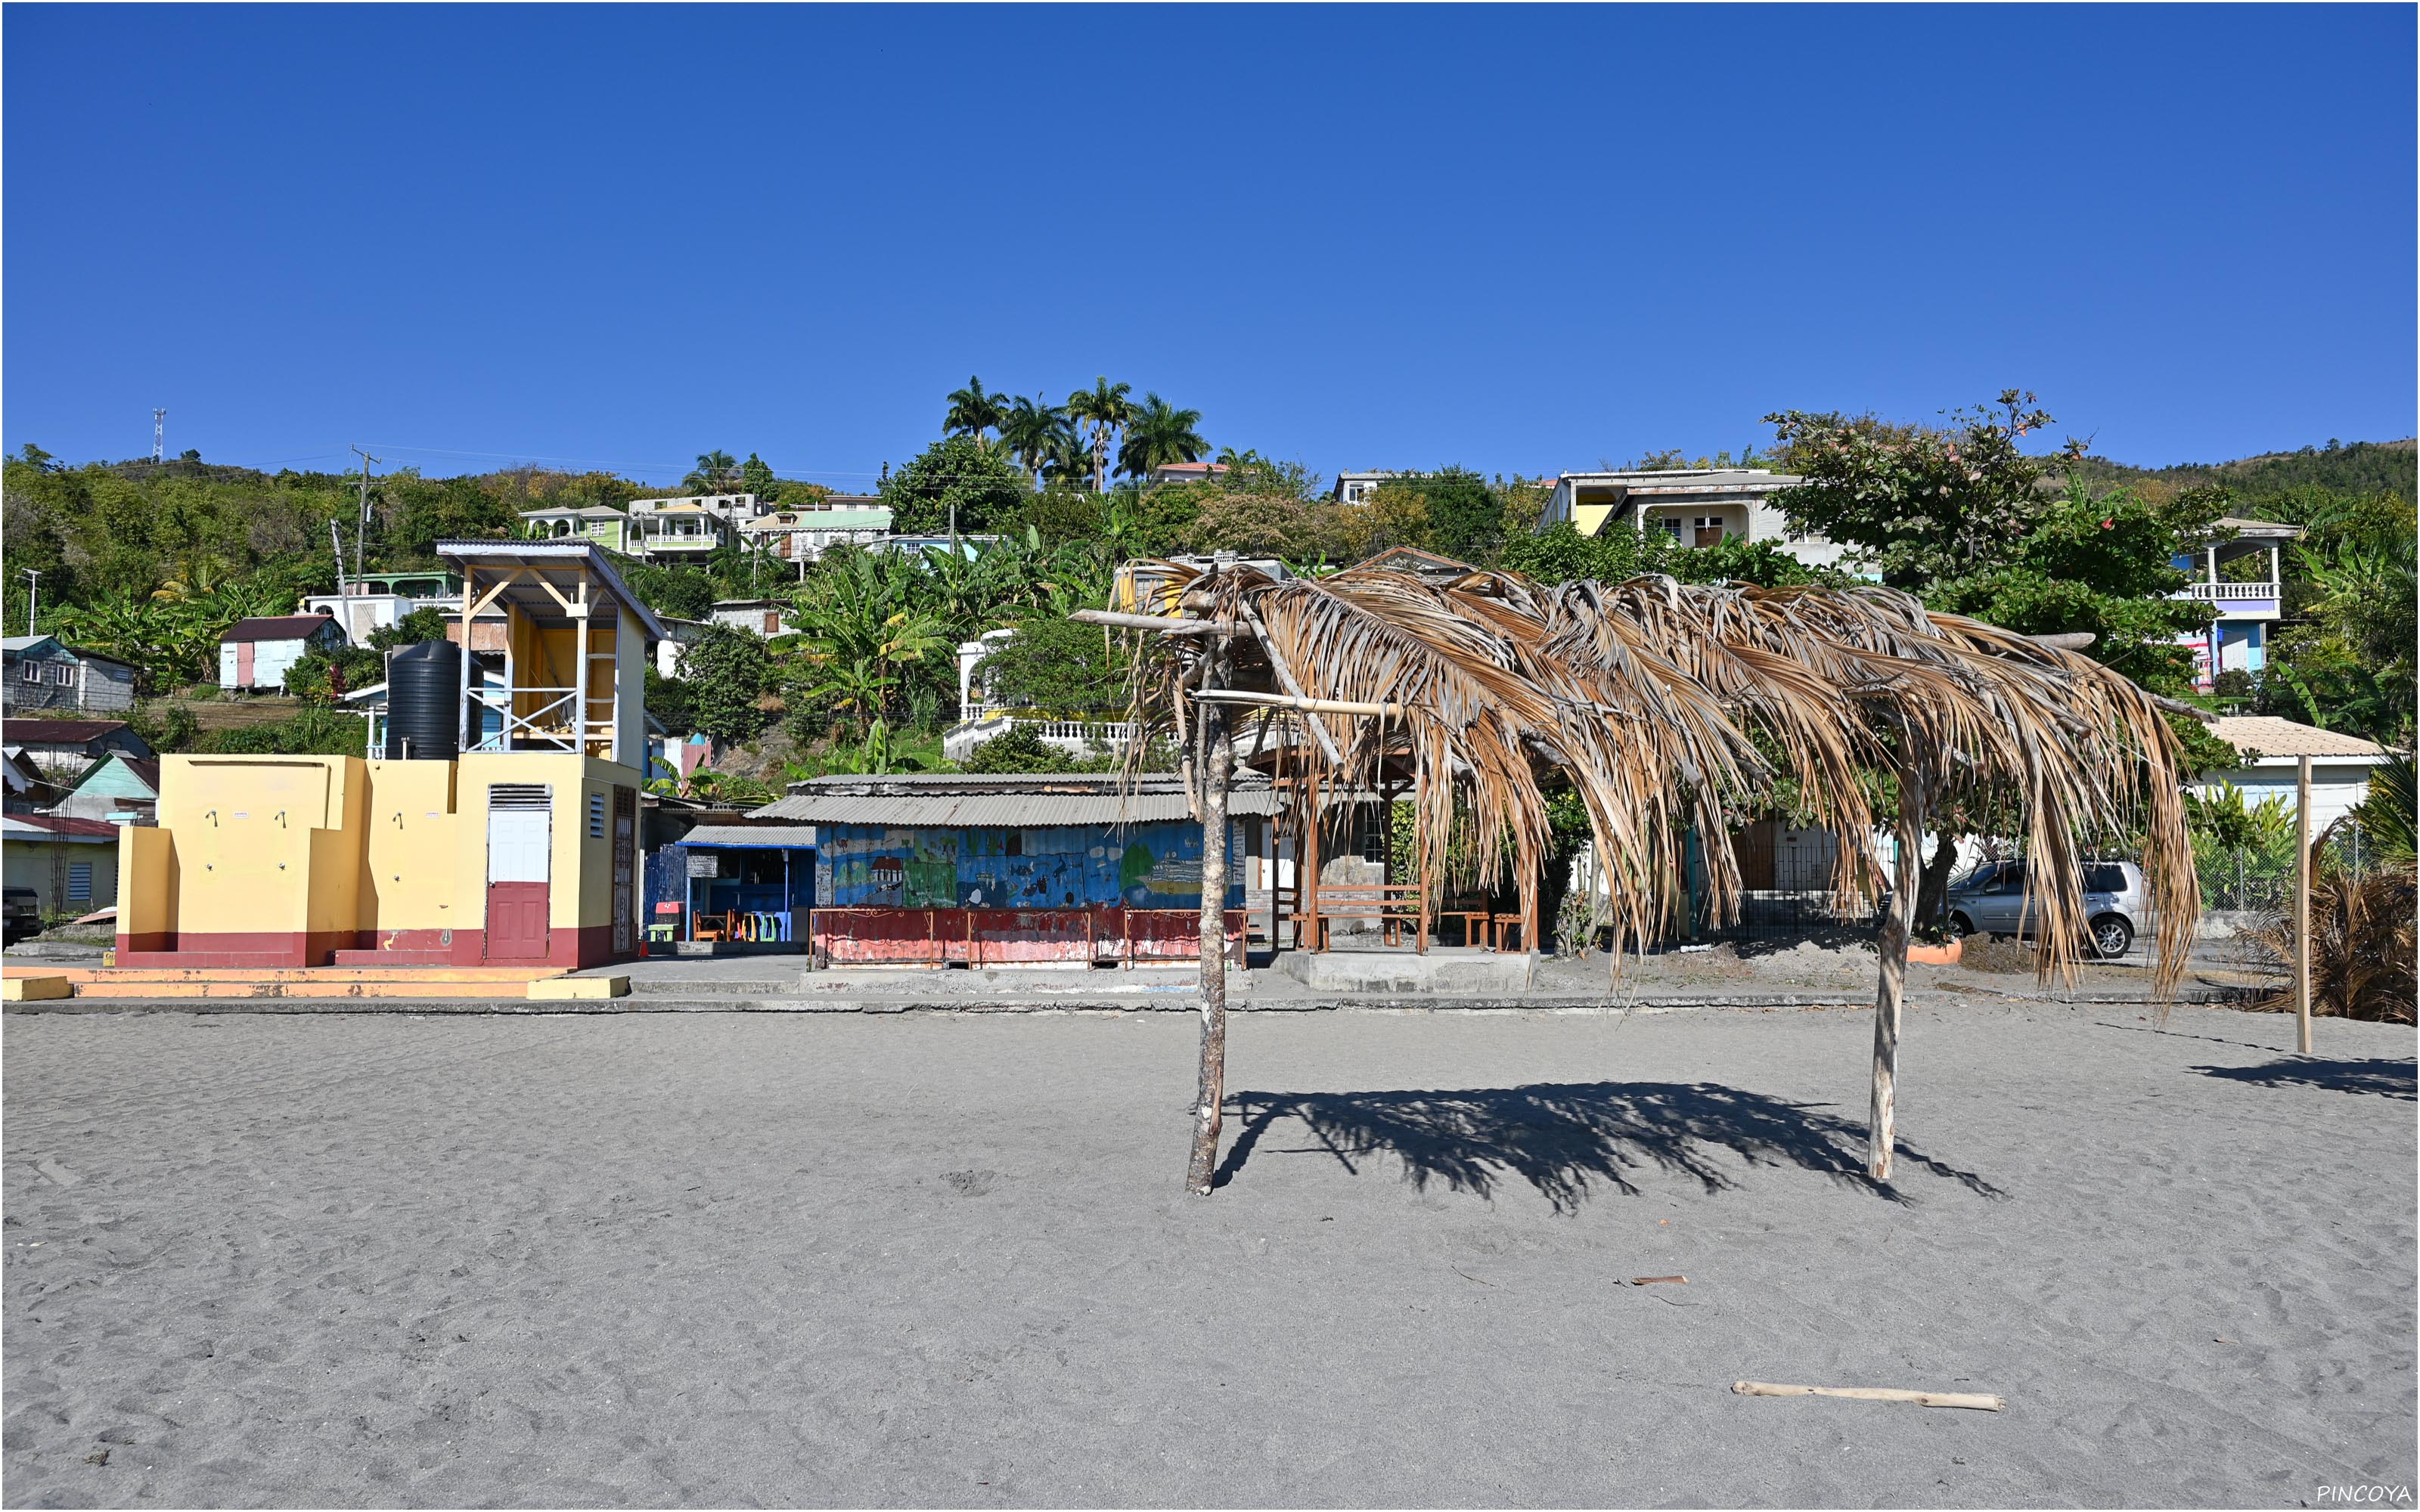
(283, 860)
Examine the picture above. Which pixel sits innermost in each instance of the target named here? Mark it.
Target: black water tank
(424, 702)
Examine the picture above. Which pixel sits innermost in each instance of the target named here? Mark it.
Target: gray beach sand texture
(945, 1260)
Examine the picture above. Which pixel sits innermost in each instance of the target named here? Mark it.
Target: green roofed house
(802, 532)
(118, 788)
(608, 528)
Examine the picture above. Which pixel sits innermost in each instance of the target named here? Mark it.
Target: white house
(757, 616)
(1357, 487)
(1694, 506)
(2273, 749)
(257, 654)
(803, 533)
(375, 601)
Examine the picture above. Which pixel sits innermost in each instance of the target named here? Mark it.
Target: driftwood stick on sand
(1979, 1401)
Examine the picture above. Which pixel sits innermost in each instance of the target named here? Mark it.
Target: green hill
(2287, 479)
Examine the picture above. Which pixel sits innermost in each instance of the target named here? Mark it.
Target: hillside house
(118, 789)
(1189, 472)
(1694, 506)
(64, 747)
(1357, 487)
(375, 601)
(257, 654)
(2240, 574)
(39, 671)
(608, 528)
(803, 533)
(71, 864)
(757, 616)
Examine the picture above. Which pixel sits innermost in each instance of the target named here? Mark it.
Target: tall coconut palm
(1160, 434)
(1105, 407)
(974, 412)
(713, 473)
(1028, 429)
(1067, 460)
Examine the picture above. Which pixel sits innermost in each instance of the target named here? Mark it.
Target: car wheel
(2111, 937)
(1961, 925)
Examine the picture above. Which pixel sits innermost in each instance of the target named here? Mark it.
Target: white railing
(2219, 592)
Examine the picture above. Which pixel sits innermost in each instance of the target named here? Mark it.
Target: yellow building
(519, 849)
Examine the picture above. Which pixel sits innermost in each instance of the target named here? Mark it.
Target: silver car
(1990, 900)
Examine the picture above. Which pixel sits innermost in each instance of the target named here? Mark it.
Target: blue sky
(1527, 240)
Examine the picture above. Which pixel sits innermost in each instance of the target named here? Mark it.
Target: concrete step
(325, 991)
(322, 974)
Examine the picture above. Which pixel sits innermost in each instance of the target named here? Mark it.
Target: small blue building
(942, 868)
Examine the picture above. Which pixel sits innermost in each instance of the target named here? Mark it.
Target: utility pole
(158, 434)
(33, 597)
(362, 526)
(337, 543)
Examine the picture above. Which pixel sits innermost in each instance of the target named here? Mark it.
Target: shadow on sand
(1560, 1138)
(2381, 1077)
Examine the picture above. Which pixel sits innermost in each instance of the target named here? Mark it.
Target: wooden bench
(1393, 904)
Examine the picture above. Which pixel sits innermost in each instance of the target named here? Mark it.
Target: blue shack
(943, 868)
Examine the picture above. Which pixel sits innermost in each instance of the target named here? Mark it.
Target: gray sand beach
(944, 1259)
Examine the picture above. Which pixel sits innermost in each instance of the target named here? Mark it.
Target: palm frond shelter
(1653, 700)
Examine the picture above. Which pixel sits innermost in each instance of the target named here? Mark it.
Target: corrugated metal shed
(765, 837)
(951, 800)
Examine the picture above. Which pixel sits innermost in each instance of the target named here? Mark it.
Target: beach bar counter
(741, 883)
(982, 870)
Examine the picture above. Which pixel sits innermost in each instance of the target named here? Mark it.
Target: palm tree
(1067, 459)
(1159, 434)
(1104, 406)
(973, 412)
(1028, 429)
(713, 470)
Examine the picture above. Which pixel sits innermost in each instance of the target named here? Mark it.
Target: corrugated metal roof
(953, 800)
(768, 837)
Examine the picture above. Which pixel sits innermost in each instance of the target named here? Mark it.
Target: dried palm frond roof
(1653, 699)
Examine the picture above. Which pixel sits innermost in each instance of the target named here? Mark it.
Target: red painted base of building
(570, 948)
(879, 936)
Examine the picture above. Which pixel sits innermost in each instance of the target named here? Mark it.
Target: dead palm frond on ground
(1652, 701)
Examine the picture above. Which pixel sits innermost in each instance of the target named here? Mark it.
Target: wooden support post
(462, 694)
(2302, 905)
(1306, 891)
(1890, 990)
(580, 673)
(1218, 763)
(1420, 844)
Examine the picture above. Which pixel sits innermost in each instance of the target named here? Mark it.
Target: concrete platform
(409, 983)
(1445, 971)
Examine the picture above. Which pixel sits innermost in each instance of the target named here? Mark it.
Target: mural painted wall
(1136, 865)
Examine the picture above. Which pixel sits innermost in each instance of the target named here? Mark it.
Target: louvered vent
(521, 797)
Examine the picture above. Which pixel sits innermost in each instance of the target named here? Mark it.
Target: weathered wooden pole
(1891, 987)
(2302, 905)
(1217, 763)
